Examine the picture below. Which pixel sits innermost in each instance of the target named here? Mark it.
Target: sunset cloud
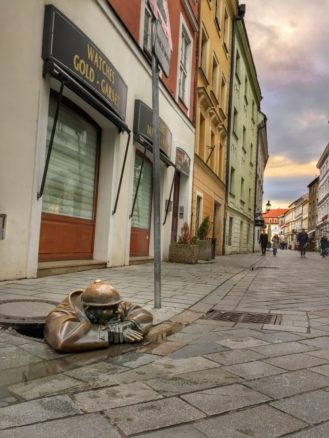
(281, 166)
(289, 42)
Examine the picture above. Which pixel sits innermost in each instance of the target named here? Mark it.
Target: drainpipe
(261, 126)
(240, 16)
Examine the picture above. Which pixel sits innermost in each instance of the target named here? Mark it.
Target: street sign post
(161, 54)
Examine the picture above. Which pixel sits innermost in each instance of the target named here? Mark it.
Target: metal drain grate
(260, 318)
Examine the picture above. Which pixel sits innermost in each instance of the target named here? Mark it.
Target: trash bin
(213, 247)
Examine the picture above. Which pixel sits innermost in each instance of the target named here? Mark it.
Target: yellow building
(216, 23)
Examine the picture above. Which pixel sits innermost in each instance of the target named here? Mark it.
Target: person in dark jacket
(302, 239)
(324, 243)
(263, 241)
(95, 318)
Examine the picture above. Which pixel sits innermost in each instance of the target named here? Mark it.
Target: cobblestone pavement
(214, 378)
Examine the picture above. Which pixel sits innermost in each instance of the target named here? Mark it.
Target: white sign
(163, 42)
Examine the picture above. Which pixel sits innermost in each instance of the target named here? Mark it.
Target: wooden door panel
(139, 242)
(65, 238)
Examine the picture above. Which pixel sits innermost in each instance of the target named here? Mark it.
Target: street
(212, 378)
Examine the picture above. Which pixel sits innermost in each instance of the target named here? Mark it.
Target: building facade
(213, 77)
(79, 135)
(323, 195)
(245, 97)
(262, 158)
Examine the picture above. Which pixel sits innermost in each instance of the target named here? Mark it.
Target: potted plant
(205, 248)
(185, 250)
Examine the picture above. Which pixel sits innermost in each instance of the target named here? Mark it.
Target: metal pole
(156, 178)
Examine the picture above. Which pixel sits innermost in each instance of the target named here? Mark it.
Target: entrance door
(216, 226)
(175, 209)
(68, 202)
(141, 220)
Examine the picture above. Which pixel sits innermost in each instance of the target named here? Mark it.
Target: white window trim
(183, 27)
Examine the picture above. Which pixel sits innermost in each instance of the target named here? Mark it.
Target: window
(242, 190)
(223, 94)
(185, 48)
(251, 154)
(202, 136)
(198, 212)
(204, 52)
(253, 112)
(147, 39)
(237, 66)
(232, 181)
(244, 139)
(249, 199)
(226, 31)
(235, 122)
(215, 69)
(230, 231)
(246, 85)
(71, 179)
(218, 4)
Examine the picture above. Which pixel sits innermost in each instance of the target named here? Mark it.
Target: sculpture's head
(100, 301)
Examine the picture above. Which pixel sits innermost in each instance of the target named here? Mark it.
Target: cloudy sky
(290, 45)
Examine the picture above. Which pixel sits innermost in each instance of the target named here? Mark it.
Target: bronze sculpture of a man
(95, 318)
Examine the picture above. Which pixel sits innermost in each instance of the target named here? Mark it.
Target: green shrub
(203, 229)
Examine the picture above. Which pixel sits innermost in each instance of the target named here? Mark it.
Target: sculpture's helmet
(100, 294)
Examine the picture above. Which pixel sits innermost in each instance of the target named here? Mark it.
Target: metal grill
(260, 318)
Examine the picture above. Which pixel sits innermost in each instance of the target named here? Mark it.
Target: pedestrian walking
(324, 243)
(302, 239)
(275, 244)
(263, 241)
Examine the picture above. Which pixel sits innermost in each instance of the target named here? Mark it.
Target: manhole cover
(260, 318)
(15, 313)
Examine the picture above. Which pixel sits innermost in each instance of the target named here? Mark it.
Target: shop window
(198, 212)
(71, 179)
(142, 211)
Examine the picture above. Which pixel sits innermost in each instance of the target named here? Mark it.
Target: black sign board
(71, 49)
(259, 222)
(143, 127)
(183, 161)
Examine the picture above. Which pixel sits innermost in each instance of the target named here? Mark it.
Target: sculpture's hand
(131, 335)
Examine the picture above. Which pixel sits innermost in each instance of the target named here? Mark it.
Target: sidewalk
(212, 378)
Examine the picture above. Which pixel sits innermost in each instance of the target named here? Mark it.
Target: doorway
(69, 199)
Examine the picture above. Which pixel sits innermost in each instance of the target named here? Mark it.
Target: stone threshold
(66, 266)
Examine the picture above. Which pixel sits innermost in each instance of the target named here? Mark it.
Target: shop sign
(183, 161)
(143, 127)
(163, 42)
(72, 50)
(259, 222)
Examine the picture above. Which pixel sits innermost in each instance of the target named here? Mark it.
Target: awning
(146, 144)
(57, 72)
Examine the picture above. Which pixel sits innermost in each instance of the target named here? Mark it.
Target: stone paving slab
(114, 397)
(321, 431)
(153, 415)
(194, 381)
(82, 426)
(176, 432)
(323, 354)
(12, 356)
(322, 342)
(224, 399)
(288, 384)
(312, 407)
(254, 370)
(46, 386)
(282, 349)
(246, 342)
(232, 357)
(257, 422)
(323, 369)
(37, 410)
(297, 361)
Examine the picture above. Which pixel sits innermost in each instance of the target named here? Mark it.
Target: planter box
(205, 249)
(180, 253)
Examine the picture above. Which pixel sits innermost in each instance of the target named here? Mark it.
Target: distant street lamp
(268, 206)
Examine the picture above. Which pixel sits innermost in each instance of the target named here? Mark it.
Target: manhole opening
(35, 331)
(260, 318)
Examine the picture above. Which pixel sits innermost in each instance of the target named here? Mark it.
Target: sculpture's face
(101, 315)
